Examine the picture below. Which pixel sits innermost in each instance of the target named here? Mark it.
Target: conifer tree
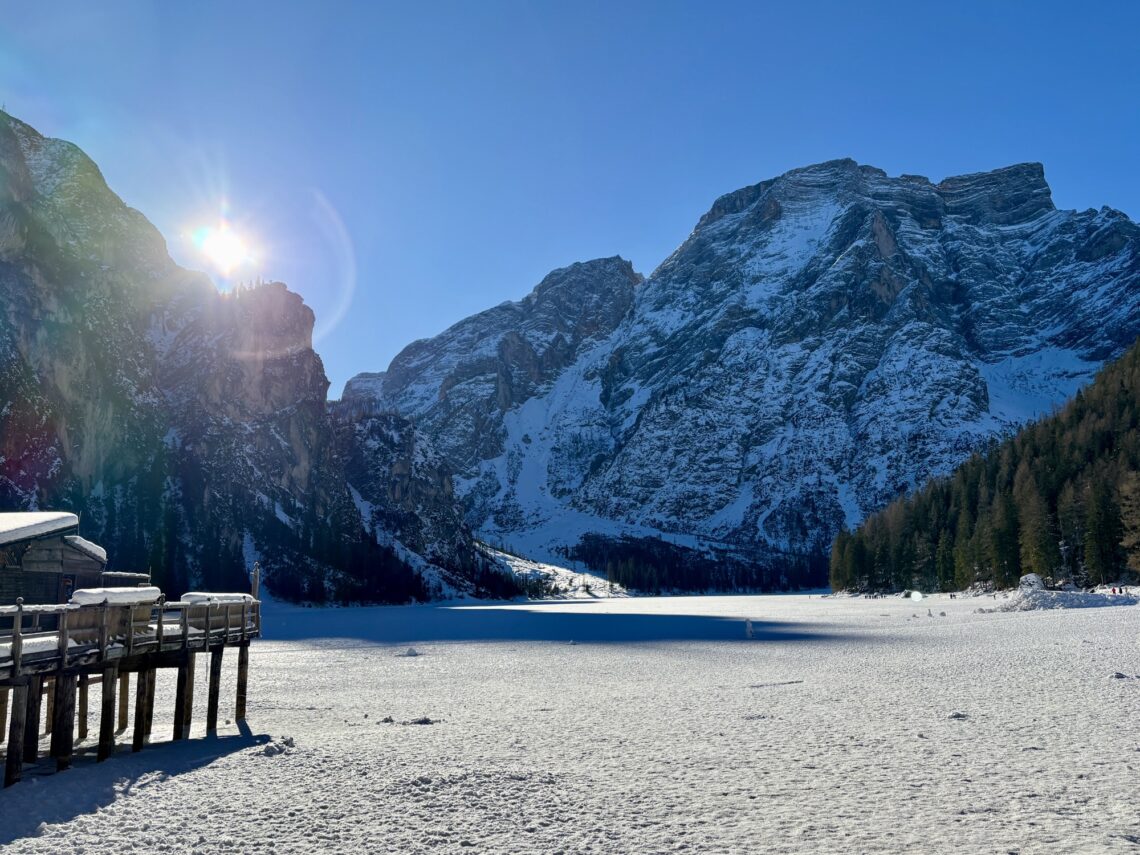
(1038, 543)
(1104, 532)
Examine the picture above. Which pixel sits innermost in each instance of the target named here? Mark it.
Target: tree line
(655, 566)
(1061, 498)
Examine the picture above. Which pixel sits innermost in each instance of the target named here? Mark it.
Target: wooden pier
(51, 656)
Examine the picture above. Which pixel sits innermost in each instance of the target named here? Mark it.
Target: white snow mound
(1030, 599)
(115, 596)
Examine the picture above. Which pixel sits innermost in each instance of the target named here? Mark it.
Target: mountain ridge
(822, 341)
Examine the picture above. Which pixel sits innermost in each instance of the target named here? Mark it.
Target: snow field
(846, 725)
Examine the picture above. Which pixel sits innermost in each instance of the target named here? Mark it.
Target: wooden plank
(84, 680)
(141, 692)
(45, 566)
(124, 700)
(152, 680)
(32, 719)
(63, 727)
(44, 549)
(242, 681)
(13, 762)
(215, 685)
(107, 716)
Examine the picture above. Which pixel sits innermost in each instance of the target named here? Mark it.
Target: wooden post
(3, 714)
(17, 641)
(63, 727)
(14, 760)
(49, 713)
(242, 681)
(63, 639)
(188, 716)
(124, 700)
(215, 685)
(32, 719)
(129, 629)
(141, 691)
(180, 699)
(151, 680)
(255, 588)
(84, 680)
(104, 629)
(107, 716)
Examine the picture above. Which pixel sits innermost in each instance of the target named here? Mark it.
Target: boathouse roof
(25, 525)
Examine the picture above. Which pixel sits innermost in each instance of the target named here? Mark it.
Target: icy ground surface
(846, 725)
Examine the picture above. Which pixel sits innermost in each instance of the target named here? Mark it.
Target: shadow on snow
(88, 786)
(564, 622)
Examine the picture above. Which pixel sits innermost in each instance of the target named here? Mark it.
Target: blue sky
(405, 165)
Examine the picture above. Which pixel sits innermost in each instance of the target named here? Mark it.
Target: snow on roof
(22, 526)
(85, 546)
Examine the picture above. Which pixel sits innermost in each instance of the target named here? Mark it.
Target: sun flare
(223, 247)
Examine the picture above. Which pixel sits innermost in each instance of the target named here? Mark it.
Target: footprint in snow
(958, 716)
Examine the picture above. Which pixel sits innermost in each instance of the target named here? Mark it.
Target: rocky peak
(59, 205)
(1014, 194)
(480, 368)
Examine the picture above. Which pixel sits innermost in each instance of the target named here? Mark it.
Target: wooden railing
(83, 636)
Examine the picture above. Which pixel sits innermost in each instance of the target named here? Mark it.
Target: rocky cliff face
(189, 427)
(460, 384)
(821, 342)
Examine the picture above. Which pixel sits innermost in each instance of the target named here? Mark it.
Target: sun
(223, 247)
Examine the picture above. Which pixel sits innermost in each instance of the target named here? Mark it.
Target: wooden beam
(107, 716)
(141, 692)
(124, 700)
(3, 714)
(215, 685)
(242, 681)
(84, 681)
(14, 761)
(32, 719)
(63, 724)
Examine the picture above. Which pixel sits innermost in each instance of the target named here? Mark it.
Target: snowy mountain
(821, 342)
(189, 427)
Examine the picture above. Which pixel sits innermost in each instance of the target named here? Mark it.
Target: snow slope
(846, 725)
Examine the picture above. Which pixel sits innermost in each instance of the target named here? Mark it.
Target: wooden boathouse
(52, 653)
(43, 559)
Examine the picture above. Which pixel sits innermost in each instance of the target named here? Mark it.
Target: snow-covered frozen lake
(638, 726)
